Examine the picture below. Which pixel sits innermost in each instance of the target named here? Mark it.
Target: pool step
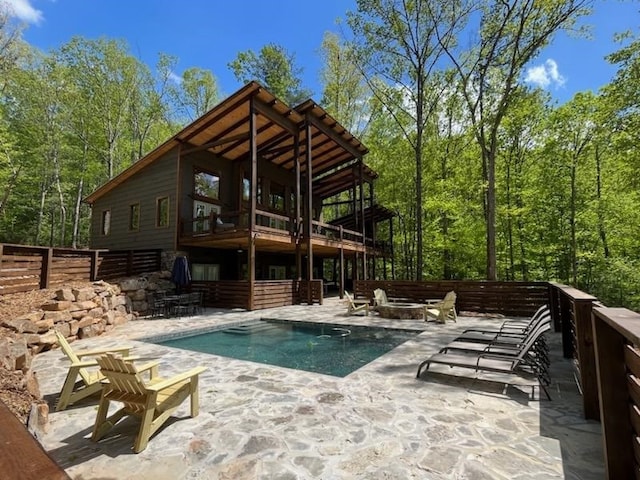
(249, 328)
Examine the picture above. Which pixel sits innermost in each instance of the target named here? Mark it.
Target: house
(242, 193)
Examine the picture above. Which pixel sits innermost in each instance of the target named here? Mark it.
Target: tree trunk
(572, 224)
(601, 229)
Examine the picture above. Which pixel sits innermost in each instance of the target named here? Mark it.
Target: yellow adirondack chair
(355, 306)
(442, 310)
(82, 380)
(380, 297)
(154, 400)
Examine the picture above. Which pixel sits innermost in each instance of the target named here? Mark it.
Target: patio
(260, 421)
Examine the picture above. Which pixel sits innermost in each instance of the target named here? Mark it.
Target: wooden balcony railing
(617, 358)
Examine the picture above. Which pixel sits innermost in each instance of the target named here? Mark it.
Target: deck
(261, 421)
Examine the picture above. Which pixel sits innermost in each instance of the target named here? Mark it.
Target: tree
(397, 51)
(345, 92)
(9, 44)
(275, 68)
(510, 34)
(196, 94)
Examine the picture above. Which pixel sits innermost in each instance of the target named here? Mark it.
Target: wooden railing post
(45, 271)
(586, 357)
(95, 261)
(129, 263)
(613, 385)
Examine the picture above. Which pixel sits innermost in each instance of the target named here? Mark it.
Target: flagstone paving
(264, 422)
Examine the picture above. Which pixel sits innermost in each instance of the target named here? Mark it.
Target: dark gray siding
(157, 180)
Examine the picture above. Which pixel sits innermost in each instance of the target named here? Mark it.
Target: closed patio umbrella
(180, 275)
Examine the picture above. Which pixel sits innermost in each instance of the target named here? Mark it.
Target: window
(206, 184)
(259, 190)
(106, 222)
(205, 272)
(246, 189)
(277, 272)
(162, 212)
(276, 197)
(134, 216)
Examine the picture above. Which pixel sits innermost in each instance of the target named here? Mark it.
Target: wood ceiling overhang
(376, 214)
(224, 131)
(342, 179)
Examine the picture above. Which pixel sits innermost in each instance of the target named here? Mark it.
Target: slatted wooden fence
(24, 267)
(508, 298)
(267, 293)
(125, 263)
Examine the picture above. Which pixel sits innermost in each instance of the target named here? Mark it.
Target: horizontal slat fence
(317, 291)
(24, 267)
(508, 298)
(274, 293)
(125, 263)
(224, 294)
(266, 294)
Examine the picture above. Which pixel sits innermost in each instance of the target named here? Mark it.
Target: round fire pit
(402, 311)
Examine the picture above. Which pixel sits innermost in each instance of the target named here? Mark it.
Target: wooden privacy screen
(507, 298)
(24, 268)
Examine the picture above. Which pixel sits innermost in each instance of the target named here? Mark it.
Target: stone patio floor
(264, 422)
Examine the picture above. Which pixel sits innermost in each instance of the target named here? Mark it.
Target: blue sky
(210, 33)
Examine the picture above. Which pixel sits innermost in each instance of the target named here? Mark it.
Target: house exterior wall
(144, 188)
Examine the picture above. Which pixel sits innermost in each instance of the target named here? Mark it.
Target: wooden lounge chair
(523, 360)
(511, 331)
(442, 310)
(356, 306)
(154, 400)
(82, 380)
(509, 327)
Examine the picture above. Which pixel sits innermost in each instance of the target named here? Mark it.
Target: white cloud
(23, 10)
(545, 75)
(175, 78)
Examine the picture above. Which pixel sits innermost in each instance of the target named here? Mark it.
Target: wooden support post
(586, 358)
(253, 174)
(393, 263)
(45, 270)
(309, 179)
(95, 263)
(298, 195)
(341, 278)
(554, 306)
(129, 263)
(567, 334)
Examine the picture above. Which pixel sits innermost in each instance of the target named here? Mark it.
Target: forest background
(488, 177)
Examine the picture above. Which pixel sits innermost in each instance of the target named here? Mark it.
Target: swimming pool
(325, 348)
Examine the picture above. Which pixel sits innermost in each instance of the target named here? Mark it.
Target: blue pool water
(331, 349)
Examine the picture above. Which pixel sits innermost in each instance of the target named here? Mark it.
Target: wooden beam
(297, 207)
(309, 207)
(338, 138)
(267, 111)
(253, 173)
(214, 119)
(216, 143)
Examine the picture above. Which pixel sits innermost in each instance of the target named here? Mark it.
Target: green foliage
(275, 68)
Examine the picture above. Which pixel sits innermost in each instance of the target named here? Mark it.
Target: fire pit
(402, 311)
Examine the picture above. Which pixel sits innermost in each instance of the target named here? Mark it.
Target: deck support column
(393, 265)
(298, 220)
(253, 174)
(341, 278)
(363, 228)
(309, 209)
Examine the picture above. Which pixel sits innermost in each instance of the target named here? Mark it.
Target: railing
(24, 268)
(571, 313)
(266, 293)
(617, 356)
(269, 222)
(509, 298)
